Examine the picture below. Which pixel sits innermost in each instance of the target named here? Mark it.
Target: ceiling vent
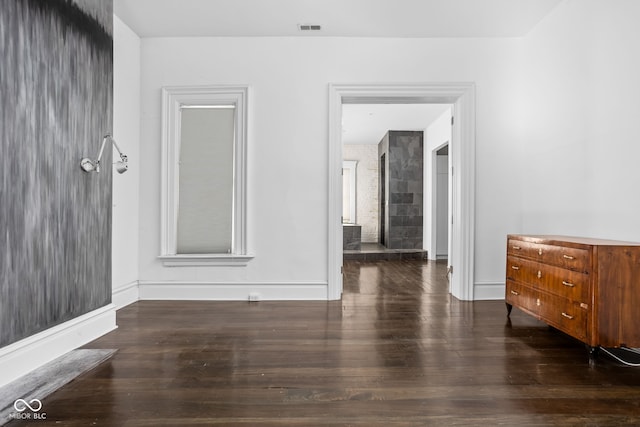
(309, 27)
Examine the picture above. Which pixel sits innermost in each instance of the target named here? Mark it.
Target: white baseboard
(24, 356)
(488, 291)
(158, 290)
(232, 291)
(124, 295)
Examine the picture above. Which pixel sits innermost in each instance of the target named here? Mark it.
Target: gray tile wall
(404, 188)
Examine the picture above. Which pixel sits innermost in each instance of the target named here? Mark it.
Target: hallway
(398, 350)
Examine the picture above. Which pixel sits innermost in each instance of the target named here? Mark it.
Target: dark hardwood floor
(396, 351)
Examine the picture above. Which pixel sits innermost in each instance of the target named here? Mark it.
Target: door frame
(432, 202)
(382, 198)
(462, 158)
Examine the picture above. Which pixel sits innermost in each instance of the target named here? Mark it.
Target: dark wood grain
(398, 350)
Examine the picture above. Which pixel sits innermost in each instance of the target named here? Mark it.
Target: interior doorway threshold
(377, 252)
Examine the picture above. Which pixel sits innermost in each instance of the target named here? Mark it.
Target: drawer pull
(517, 248)
(515, 267)
(540, 251)
(568, 257)
(567, 315)
(539, 274)
(514, 293)
(569, 284)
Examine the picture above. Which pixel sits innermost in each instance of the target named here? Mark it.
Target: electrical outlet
(254, 296)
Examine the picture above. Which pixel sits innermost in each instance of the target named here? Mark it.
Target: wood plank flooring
(396, 351)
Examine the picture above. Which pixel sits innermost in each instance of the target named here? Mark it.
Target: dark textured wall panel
(404, 188)
(56, 75)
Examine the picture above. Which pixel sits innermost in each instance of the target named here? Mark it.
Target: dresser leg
(509, 307)
(593, 354)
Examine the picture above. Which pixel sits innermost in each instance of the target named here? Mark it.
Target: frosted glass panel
(205, 204)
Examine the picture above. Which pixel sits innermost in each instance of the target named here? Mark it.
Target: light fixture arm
(89, 165)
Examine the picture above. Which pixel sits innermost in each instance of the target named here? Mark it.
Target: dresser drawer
(522, 296)
(567, 316)
(575, 259)
(569, 284)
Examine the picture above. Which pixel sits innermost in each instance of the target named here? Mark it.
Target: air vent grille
(309, 27)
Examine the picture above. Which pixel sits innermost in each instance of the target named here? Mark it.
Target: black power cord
(619, 357)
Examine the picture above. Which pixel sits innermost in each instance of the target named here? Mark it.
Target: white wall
(581, 91)
(556, 117)
(367, 212)
(126, 131)
(288, 142)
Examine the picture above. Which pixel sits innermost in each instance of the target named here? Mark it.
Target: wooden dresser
(587, 288)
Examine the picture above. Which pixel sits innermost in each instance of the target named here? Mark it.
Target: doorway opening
(461, 153)
(392, 145)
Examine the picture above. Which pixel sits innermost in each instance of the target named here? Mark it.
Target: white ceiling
(339, 18)
(367, 123)
(362, 124)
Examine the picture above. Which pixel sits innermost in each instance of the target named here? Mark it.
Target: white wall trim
(462, 155)
(22, 357)
(124, 295)
(204, 260)
(206, 291)
(489, 291)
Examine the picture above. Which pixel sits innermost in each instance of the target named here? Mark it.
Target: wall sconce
(89, 165)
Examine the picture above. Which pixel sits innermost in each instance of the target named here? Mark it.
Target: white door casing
(462, 157)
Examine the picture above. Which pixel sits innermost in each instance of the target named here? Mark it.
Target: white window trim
(172, 99)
